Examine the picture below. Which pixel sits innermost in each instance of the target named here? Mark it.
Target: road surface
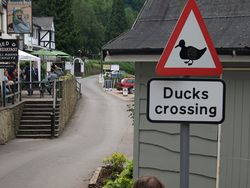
(99, 127)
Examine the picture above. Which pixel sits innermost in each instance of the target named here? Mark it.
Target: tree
(44, 7)
(87, 24)
(89, 31)
(63, 25)
(117, 22)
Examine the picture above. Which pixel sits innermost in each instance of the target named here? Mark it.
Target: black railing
(13, 92)
(53, 114)
(10, 93)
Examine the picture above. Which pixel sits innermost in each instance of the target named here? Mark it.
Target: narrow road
(99, 127)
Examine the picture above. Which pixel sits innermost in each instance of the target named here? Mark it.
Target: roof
(46, 23)
(228, 22)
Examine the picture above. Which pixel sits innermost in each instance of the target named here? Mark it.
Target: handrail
(16, 90)
(13, 92)
(53, 114)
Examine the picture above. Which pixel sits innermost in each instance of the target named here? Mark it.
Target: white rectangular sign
(186, 100)
(115, 67)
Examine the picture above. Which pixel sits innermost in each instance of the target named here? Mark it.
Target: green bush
(116, 162)
(92, 67)
(124, 180)
(122, 171)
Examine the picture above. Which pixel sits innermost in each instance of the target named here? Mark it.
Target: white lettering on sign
(182, 100)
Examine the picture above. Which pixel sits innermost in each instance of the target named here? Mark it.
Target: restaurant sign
(8, 52)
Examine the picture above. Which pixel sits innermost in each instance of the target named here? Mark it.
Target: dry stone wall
(9, 122)
(10, 116)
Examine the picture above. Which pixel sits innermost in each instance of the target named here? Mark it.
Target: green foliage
(131, 110)
(130, 15)
(65, 32)
(86, 25)
(67, 76)
(92, 67)
(124, 180)
(89, 31)
(135, 4)
(116, 162)
(43, 71)
(117, 21)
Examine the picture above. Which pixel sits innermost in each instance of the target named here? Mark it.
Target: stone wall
(10, 116)
(9, 122)
(68, 102)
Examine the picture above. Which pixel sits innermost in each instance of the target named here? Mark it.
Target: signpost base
(184, 155)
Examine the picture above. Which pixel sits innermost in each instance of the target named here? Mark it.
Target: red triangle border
(161, 70)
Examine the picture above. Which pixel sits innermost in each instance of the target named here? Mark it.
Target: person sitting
(148, 182)
(52, 76)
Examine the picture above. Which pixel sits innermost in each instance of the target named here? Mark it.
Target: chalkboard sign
(8, 52)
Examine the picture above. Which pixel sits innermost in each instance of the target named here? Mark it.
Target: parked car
(126, 83)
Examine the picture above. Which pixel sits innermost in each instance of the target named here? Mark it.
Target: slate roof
(228, 22)
(45, 23)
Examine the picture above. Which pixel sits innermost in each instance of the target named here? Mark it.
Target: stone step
(47, 101)
(38, 117)
(37, 122)
(22, 127)
(39, 110)
(36, 136)
(40, 105)
(38, 113)
(35, 131)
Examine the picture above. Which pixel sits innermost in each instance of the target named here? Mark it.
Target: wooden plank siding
(235, 139)
(157, 145)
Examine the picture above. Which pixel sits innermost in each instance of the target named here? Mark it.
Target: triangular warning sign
(189, 51)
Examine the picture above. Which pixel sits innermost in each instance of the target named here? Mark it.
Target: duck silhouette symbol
(190, 53)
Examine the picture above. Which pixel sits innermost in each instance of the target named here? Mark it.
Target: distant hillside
(83, 25)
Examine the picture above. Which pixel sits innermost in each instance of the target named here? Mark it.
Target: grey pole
(184, 155)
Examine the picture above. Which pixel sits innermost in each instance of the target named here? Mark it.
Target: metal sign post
(184, 154)
(185, 101)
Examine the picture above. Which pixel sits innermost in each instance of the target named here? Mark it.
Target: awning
(60, 53)
(43, 52)
(23, 56)
(55, 53)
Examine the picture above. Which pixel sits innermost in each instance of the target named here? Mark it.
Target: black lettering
(203, 109)
(196, 108)
(212, 111)
(168, 92)
(196, 94)
(183, 110)
(186, 94)
(165, 109)
(178, 96)
(158, 109)
(190, 110)
(204, 95)
(174, 110)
